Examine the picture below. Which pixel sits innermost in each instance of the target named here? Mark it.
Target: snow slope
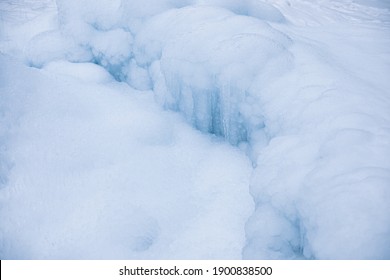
(299, 89)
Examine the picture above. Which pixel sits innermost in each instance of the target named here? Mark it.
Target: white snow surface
(191, 129)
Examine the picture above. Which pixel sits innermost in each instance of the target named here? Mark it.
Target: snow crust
(299, 89)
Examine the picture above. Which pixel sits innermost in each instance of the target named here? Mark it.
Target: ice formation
(299, 89)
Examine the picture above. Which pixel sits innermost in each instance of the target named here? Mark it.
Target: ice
(136, 76)
(207, 72)
(150, 128)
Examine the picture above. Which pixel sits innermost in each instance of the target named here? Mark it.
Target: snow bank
(321, 184)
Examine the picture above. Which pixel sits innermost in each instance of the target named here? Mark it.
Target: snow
(102, 172)
(87, 72)
(194, 129)
(251, 8)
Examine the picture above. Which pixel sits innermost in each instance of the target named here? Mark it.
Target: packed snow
(193, 129)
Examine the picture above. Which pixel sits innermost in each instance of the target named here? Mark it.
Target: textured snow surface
(195, 129)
